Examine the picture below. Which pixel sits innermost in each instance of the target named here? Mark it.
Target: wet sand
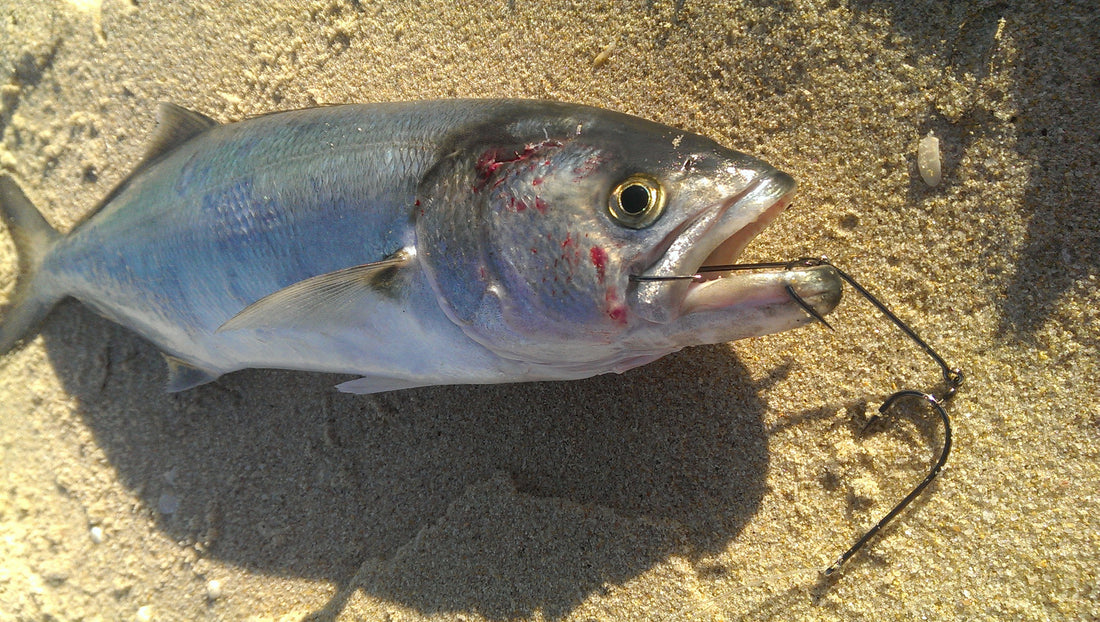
(713, 484)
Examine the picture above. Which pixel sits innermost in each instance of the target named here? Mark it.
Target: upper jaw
(716, 237)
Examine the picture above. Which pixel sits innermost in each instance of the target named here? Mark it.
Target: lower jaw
(745, 294)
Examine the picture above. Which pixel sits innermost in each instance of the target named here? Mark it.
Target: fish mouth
(760, 302)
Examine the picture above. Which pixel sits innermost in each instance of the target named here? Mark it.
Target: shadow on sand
(502, 500)
(1060, 250)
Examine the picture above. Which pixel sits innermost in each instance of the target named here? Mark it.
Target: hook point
(807, 307)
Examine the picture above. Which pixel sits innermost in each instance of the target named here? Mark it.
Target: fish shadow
(502, 500)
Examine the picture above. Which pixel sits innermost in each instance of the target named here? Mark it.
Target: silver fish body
(446, 242)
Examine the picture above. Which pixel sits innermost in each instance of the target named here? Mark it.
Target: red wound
(599, 259)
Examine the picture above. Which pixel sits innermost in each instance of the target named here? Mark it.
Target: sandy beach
(714, 484)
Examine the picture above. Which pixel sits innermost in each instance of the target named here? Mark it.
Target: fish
(418, 243)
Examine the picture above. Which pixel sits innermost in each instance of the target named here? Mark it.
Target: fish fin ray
(378, 384)
(307, 303)
(175, 126)
(183, 375)
(34, 238)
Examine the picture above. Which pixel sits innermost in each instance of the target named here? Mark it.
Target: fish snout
(820, 287)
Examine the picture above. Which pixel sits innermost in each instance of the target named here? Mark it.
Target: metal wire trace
(953, 377)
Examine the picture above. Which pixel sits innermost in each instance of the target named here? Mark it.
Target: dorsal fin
(175, 126)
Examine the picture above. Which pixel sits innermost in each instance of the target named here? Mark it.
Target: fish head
(532, 230)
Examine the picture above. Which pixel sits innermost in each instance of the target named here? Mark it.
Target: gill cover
(529, 230)
(516, 252)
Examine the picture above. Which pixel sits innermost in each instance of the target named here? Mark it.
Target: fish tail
(34, 238)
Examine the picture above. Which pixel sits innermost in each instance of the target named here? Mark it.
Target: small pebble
(213, 589)
(603, 56)
(168, 503)
(96, 534)
(144, 614)
(928, 159)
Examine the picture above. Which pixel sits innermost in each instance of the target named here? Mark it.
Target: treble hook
(953, 377)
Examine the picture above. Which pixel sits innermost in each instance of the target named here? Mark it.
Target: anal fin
(378, 384)
(183, 375)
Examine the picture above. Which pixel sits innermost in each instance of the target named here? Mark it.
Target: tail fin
(33, 237)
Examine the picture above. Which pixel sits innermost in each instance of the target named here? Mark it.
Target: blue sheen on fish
(413, 244)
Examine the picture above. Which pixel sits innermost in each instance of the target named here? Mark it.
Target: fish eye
(637, 201)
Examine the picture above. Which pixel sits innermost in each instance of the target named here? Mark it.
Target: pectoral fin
(324, 299)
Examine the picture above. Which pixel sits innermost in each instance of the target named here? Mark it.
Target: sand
(713, 484)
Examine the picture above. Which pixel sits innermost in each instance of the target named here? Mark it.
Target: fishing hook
(953, 377)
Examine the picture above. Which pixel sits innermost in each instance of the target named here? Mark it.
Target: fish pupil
(634, 199)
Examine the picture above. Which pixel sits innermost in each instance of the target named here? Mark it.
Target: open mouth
(717, 239)
(702, 291)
